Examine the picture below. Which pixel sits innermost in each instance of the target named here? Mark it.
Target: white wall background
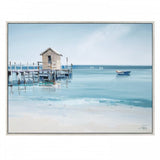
(78, 147)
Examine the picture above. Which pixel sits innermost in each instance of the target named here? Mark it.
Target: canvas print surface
(80, 77)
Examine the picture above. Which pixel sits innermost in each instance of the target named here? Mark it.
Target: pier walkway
(30, 75)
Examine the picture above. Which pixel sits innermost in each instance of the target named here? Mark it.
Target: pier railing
(30, 74)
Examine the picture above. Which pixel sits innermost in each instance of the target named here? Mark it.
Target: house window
(49, 59)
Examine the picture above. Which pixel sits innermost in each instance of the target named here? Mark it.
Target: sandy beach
(119, 119)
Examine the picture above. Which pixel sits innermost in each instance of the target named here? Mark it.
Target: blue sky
(108, 44)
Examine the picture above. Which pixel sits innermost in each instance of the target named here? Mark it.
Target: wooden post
(18, 74)
(51, 71)
(15, 66)
(33, 73)
(67, 62)
(27, 66)
(28, 75)
(24, 75)
(10, 65)
(18, 79)
(28, 71)
(71, 67)
(24, 78)
(11, 71)
(38, 72)
(55, 75)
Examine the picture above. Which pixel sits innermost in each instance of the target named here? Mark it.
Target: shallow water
(88, 87)
(93, 100)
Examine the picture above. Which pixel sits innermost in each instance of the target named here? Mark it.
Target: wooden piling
(55, 75)
(15, 66)
(71, 67)
(67, 62)
(38, 72)
(11, 71)
(33, 73)
(24, 77)
(27, 66)
(51, 79)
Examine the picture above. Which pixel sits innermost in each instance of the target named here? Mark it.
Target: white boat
(123, 72)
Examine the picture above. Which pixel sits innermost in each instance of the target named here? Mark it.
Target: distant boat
(123, 72)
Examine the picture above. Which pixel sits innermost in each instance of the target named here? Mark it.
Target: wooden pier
(35, 74)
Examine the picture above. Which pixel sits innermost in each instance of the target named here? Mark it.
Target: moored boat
(123, 72)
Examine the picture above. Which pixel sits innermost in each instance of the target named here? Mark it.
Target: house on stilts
(47, 70)
(51, 59)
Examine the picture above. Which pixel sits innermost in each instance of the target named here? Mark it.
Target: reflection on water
(48, 86)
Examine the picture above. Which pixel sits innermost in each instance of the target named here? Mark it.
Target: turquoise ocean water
(89, 86)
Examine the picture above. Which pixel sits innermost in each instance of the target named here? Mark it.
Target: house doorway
(49, 60)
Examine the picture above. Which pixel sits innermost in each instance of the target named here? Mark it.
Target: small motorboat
(123, 72)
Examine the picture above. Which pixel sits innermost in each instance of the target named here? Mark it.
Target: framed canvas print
(80, 78)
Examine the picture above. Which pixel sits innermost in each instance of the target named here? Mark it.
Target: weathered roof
(51, 50)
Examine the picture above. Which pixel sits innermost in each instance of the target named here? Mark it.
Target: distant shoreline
(111, 66)
(90, 66)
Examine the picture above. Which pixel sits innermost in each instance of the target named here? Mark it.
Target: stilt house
(51, 59)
